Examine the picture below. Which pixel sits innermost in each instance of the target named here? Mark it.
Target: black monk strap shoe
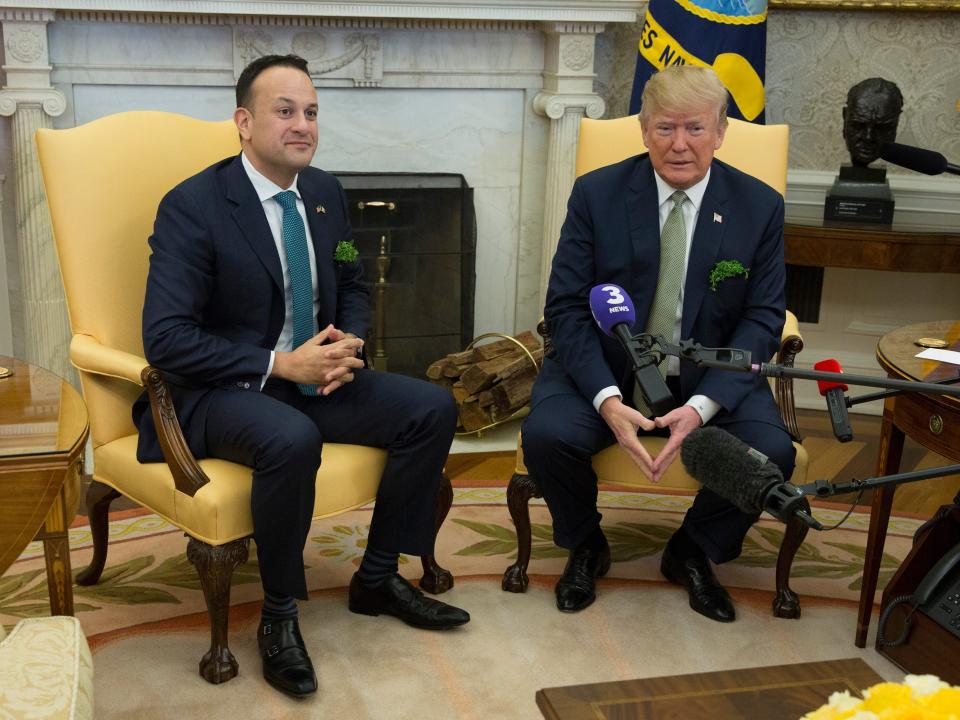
(576, 588)
(396, 596)
(707, 596)
(286, 664)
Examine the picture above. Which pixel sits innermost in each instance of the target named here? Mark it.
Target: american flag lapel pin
(323, 211)
(717, 218)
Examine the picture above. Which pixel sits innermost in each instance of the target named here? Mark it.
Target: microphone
(613, 312)
(918, 159)
(744, 476)
(836, 401)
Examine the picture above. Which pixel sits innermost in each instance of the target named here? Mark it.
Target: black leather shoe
(576, 588)
(396, 596)
(707, 596)
(286, 664)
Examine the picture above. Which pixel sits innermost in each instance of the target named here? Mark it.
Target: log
(485, 398)
(461, 358)
(435, 369)
(483, 374)
(513, 393)
(472, 416)
(454, 371)
(459, 392)
(521, 364)
(503, 347)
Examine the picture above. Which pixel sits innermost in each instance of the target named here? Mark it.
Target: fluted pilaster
(566, 97)
(33, 103)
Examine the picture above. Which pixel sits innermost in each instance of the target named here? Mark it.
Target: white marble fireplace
(491, 89)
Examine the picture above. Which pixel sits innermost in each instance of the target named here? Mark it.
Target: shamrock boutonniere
(345, 252)
(726, 269)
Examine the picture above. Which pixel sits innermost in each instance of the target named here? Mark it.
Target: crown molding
(595, 11)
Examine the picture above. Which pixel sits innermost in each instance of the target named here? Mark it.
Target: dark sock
(278, 607)
(683, 546)
(377, 566)
(595, 541)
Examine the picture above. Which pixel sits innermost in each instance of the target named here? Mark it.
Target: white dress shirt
(265, 190)
(704, 406)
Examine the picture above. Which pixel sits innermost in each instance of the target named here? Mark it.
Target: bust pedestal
(859, 195)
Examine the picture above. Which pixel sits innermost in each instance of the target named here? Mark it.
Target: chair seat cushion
(219, 512)
(46, 671)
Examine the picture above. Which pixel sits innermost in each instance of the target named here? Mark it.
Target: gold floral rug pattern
(148, 578)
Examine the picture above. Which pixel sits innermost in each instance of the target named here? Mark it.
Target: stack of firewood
(490, 382)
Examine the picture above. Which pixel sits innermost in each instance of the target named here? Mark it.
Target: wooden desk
(878, 247)
(783, 692)
(43, 431)
(931, 420)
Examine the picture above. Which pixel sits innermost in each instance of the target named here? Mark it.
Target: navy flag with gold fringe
(729, 36)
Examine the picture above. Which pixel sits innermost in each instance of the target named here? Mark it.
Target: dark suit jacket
(214, 305)
(612, 234)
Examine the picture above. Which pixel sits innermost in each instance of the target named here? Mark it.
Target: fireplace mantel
(498, 10)
(492, 90)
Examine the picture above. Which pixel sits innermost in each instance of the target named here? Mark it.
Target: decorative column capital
(555, 105)
(53, 102)
(28, 63)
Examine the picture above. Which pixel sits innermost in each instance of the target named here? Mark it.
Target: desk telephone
(937, 596)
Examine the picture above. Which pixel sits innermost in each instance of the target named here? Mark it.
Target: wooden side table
(782, 692)
(43, 431)
(931, 420)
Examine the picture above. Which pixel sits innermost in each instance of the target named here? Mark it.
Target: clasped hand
(328, 359)
(624, 421)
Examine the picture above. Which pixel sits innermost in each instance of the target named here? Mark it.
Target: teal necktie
(298, 267)
(673, 253)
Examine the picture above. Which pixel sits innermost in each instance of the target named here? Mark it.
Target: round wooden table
(931, 420)
(43, 431)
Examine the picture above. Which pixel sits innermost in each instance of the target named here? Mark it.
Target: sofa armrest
(50, 672)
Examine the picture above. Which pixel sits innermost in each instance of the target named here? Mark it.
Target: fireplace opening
(416, 234)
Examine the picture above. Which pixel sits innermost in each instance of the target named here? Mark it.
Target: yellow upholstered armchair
(104, 181)
(760, 151)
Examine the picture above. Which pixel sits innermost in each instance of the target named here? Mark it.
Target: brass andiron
(383, 266)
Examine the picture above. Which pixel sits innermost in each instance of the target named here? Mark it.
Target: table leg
(56, 552)
(888, 462)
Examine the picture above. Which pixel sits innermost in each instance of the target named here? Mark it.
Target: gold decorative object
(380, 321)
(930, 342)
(5, 372)
(936, 424)
(522, 412)
(388, 204)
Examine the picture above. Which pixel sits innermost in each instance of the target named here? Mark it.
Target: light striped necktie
(673, 252)
(298, 267)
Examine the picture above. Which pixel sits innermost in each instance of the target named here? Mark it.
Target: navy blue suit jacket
(214, 305)
(612, 235)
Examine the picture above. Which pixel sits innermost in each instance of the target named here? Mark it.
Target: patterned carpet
(148, 579)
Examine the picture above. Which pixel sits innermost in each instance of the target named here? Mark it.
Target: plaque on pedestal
(860, 195)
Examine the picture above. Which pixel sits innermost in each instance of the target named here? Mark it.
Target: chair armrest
(188, 476)
(89, 355)
(791, 343)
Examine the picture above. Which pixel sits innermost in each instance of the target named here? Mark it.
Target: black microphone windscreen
(914, 158)
(729, 467)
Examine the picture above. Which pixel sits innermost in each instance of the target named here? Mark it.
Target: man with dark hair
(870, 118)
(258, 330)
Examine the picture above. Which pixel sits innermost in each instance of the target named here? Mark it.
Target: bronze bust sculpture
(870, 118)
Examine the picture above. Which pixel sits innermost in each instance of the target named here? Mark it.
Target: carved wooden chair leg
(215, 564)
(435, 579)
(787, 603)
(99, 497)
(519, 492)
